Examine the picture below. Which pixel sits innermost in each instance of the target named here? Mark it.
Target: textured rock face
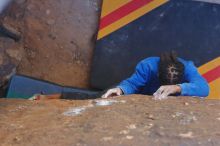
(130, 120)
(11, 52)
(10, 56)
(57, 40)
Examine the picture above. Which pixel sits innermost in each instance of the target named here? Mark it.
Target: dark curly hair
(171, 70)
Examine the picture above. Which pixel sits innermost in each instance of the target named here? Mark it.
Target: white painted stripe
(210, 1)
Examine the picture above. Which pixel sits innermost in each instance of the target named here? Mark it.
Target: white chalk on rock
(74, 111)
(107, 138)
(107, 102)
(132, 126)
(124, 132)
(129, 137)
(186, 135)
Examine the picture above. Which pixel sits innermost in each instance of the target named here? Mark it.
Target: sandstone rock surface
(134, 120)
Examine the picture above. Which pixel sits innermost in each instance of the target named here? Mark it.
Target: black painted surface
(191, 28)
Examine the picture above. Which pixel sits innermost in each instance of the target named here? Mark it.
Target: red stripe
(122, 11)
(212, 74)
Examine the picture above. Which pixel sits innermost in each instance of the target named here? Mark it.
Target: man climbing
(161, 77)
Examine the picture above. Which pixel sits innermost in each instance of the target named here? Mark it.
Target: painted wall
(133, 30)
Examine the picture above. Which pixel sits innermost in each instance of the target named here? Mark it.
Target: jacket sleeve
(195, 84)
(139, 79)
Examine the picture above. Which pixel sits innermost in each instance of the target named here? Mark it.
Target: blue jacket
(145, 79)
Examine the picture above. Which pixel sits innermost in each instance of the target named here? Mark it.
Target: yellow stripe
(130, 17)
(214, 85)
(109, 6)
(209, 66)
(214, 89)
